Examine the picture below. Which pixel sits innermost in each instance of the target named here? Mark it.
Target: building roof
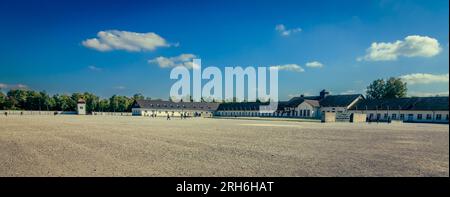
(329, 101)
(247, 106)
(294, 102)
(314, 103)
(81, 101)
(412, 103)
(155, 104)
(339, 100)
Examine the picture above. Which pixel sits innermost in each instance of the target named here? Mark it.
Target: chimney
(324, 94)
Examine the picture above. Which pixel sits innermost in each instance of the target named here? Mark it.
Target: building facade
(418, 109)
(156, 108)
(415, 109)
(297, 107)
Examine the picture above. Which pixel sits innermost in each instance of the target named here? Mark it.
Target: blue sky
(320, 44)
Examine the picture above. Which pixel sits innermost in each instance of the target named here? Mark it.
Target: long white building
(297, 107)
(414, 109)
(417, 109)
(157, 108)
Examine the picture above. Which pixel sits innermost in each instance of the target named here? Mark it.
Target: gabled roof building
(413, 109)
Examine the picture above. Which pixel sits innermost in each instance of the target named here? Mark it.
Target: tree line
(19, 99)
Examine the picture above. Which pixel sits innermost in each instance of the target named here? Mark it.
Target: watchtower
(81, 107)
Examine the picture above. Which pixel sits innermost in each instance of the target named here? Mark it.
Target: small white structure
(81, 107)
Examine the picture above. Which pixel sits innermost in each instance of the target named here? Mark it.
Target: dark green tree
(392, 88)
(395, 88)
(18, 98)
(138, 96)
(2, 100)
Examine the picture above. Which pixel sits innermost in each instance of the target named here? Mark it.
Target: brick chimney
(324, 94)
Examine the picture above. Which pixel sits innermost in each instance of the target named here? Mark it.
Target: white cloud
(124, 40)
(424, 78)
(94, 68)
(120, 87)
(298, 94)
(21, 86)
(170, 62)
(292, 95)
(411, 46)
(425, 94)
(349, 92)
(314, 64)
(286, 32)
(290, 67)
(13, 86)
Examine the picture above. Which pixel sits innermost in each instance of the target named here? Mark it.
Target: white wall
(333, 109)
(306, 110)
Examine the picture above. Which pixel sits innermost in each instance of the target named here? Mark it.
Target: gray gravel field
(142, 146)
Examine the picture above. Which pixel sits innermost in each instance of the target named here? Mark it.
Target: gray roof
(339, 100)
(295, 101)
(329, 101)
(244, 106)
(412, 103)
(157, 104)
(316, 101)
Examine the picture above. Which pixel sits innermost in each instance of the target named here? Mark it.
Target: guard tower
(81, 107)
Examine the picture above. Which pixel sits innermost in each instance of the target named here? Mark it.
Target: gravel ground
(142, 146)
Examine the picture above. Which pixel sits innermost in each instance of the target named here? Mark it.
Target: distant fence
(26, 112)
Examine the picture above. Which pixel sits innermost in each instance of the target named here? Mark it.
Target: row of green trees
(32, 100)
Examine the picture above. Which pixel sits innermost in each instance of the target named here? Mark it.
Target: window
(394, 116)
(428, 116)
(402, 116)
(446, 117)
(371, 116)
(386, 116)
(410, 116)
(419, 116)
(378, 116)
(438, 117)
